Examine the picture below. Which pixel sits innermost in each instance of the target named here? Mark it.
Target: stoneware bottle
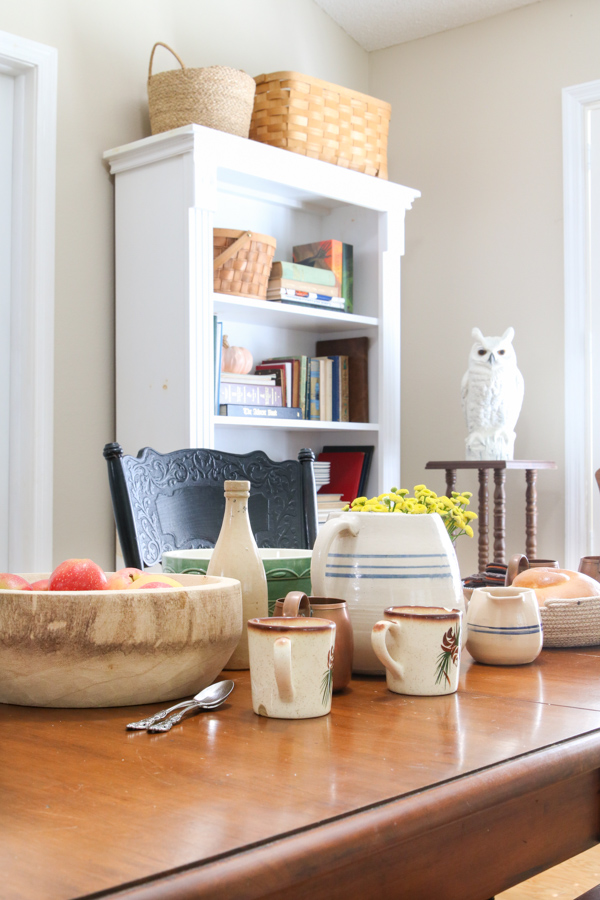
(236, 556)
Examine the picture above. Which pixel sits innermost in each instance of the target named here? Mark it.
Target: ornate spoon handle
(146, 723)
(173, 720)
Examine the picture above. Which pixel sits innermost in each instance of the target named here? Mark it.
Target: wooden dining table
(453, 797)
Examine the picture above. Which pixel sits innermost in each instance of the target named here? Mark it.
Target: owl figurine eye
(482, 352)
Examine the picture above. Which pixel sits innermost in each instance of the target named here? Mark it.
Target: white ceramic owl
(492, 396)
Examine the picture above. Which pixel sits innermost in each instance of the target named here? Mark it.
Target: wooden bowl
(116, 648)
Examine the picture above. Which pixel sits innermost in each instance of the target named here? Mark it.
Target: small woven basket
(571, 623)
(322, 120)
(242, 262)
(216, 96)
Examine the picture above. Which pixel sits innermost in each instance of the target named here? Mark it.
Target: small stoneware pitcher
(291, 666)
(296, 603)
(504, 626)
(420, 649)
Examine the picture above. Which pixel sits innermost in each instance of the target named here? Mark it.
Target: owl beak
(492, 359)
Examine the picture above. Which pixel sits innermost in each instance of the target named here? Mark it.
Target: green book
(297, 272)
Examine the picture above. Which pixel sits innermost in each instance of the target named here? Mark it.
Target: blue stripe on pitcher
(352, 570)
(509, 629)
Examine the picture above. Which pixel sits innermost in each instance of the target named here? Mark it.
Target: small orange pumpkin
(235, 359)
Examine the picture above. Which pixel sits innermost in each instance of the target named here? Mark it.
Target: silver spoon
(208, 698)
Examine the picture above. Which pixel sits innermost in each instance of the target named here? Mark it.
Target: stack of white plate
(321, 473)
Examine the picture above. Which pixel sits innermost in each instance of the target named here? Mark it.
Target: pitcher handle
(327, 533)
(282, 660)
(378, 642)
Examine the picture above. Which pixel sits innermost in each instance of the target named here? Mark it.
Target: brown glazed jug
(590, 565)
(296, 604)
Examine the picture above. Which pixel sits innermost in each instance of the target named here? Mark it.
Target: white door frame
(31, 408)
(580, 461)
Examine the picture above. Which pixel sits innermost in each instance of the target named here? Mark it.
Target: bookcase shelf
(171, 190)
(281, 315)
(301, 424)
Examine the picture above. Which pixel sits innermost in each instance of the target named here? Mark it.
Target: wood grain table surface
(389, 796)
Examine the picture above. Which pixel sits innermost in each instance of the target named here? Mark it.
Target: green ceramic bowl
(286, 570)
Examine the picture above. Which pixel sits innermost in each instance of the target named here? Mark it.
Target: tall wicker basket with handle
(242, 262)
(215, 96)
(322, 120)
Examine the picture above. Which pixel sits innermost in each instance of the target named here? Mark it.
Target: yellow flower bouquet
(453, 510)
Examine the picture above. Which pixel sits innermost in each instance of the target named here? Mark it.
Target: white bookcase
(171, 190)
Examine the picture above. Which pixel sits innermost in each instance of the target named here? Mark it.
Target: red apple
(13, 582)
(123, 578)
(152, 580)
(77, 575)
(41, 585)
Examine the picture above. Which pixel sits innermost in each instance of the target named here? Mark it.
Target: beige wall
(476, 126)
(103, 51)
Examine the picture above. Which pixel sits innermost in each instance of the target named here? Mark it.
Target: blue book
(260, 412)
(314, 387)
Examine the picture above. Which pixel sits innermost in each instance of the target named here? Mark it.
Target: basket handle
(166, 46)
(244, 238)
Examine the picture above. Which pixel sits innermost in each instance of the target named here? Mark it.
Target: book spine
(344, 390)
(297, 272)
(292, 293)
(250, 394)
(302, 384)
(288, 284)
(315, 372)
(348, 276)
(218, 351)
(335, 389)
(322, 390)
(261, 412)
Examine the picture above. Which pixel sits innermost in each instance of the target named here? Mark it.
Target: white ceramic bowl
(116, 648)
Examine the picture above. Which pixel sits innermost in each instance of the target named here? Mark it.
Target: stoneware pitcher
(377, 560)
(505, 627)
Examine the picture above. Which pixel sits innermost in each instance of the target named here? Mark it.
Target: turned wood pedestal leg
(482, 520)
(530, 514)
(499, 515)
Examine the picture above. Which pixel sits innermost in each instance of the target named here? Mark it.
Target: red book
(284, 369)
(344, 476)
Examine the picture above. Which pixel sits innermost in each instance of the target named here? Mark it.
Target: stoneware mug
(296, 603)
(420, 649)
(519, 563)
(291, 666)
(504, 626)
(590, 565)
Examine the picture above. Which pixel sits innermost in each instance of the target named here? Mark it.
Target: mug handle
(516, 564)
(294, 602)
(282, 661)
(378, 642)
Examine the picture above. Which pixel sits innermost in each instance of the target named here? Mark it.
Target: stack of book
(304, 286)
(330, 256)
(326, 503)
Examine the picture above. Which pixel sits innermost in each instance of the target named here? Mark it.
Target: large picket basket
(216, 96)
(321, 120)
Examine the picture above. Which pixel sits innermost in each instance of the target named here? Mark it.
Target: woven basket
(242, 262)
(571, 623)
(216, 96)
(321, 120)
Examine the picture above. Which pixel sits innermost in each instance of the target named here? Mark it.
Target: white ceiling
(375, 24)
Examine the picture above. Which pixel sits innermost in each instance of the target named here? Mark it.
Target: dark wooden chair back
(175, 501)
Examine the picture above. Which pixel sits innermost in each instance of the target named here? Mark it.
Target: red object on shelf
(344, 476)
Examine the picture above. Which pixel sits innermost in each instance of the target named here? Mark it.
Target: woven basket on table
(215, 96)
(242, 262)
(571, 623)
(321, 120)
